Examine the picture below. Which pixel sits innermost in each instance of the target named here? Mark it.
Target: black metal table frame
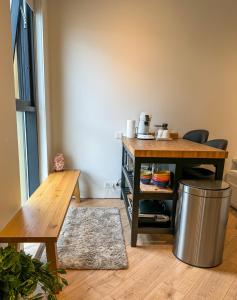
(137, 195)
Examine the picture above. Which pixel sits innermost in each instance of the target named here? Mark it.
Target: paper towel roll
(131, 128)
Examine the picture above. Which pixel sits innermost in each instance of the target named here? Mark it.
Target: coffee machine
(144, 127)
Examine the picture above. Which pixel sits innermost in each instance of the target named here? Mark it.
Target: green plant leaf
(61, 271)
(20, 274)
(38, 296)
(64, 281)
(51, 297)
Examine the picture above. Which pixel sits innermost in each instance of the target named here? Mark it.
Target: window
(23, 62)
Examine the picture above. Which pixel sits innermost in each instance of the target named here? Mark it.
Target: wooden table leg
(76, 192)
(16, 246)
(51, 252)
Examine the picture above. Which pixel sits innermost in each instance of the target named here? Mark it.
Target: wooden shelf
(147, 190)
(151, 188)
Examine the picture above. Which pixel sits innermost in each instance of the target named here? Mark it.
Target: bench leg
(51, 252)
(76, 192)
(16, 246)
(40, 251)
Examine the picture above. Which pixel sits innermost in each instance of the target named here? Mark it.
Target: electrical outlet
(118, 135)
(116, 185)
(112, 189)
(111, 185)
(107, 185)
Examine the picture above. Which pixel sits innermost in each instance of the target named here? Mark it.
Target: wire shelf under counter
(144, 225)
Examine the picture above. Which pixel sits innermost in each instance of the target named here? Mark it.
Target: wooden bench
(41, 218)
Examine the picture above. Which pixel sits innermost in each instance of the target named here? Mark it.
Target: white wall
(42, 88)
(9, 169)
(110, 60)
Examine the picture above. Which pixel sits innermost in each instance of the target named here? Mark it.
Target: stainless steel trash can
(200, 224)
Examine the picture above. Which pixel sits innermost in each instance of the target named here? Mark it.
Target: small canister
(131, 128)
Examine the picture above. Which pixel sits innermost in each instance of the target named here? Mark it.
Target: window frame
(22, 40)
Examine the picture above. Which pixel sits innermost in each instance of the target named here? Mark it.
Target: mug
(165, 134)
(159, 133)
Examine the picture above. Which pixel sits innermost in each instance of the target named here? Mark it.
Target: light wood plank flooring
(154, 273)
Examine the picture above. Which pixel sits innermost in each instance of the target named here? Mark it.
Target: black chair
(203, 173)
(198, 135)
(218, 143)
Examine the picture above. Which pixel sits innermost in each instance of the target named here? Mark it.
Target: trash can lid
(206, 188)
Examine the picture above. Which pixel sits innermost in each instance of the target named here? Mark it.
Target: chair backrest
(197, 135)
(218, 143)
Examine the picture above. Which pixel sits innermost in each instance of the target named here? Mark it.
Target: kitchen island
(177, 153)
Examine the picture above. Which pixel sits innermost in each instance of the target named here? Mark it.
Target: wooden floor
(154, 273)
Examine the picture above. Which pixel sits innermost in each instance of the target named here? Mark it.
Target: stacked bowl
(146, 177)
(161, 179)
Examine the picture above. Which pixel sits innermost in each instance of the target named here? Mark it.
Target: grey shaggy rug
(92, 238)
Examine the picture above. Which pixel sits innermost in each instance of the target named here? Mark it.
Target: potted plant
(20, 275)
